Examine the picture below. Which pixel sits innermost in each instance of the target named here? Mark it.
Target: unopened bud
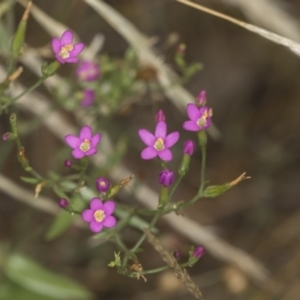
(68, 163)
(63, 203)
(201, 99)
(102, 184)
(8, 136)
(160, 116)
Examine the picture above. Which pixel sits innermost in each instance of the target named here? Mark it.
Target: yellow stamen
(85, 146)
(99, 215)
(202, 121)
(159, 144)
(64, 51)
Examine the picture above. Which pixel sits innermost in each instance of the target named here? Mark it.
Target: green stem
(36, 174)
(30, 89)
(174, 187)
(202, 173)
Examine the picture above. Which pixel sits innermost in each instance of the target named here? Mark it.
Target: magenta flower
(102, 184)
(158, 143)
(100, 215)
(64, 49)
(189, 147)
(85, 144)
(199, 118)
(88, 97)
(88, 71)
(166, 178)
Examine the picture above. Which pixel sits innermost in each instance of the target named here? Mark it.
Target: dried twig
(180, 273)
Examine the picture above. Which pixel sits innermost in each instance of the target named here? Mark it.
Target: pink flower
(85, 144)
(88, 71)
(199, 118)
(102, 184)
(88, 97)
(64, 49)
(199, 251)
(158, 143)
(100, 215)
(166, 178)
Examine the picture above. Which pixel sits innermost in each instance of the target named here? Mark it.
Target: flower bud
(177, 254)
(68, 163)
(63, 203)
(201, 99)
(160, 116)
(8, 136)
(50, 69)
(189, 147)
(102, 184)
(88, 97)
(199, 251)
(166, 178)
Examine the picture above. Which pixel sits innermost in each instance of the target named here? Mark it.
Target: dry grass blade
(278, 39)
(180, 273)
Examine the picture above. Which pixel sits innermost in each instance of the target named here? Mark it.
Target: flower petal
(96, 139)
(77, 49)
(59, 59)
(87, 215)
(147, 137)
(90, 152)
(165, 155)
(72, 141)
(66, 38)
(77, 153)
(161, 130)
(109, 222)
(109, 207)
(85, 133)
(148, 153)
(96, 204)
(96, 226)
(171, 139)
(193, 111)
(72, 60)
(55, 44)
(191, 126)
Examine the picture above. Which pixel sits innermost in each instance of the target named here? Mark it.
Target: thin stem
(175, 187)
(30, 89)
(202, 174)
(36, 174)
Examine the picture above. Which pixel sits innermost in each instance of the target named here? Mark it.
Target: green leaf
(31, 180)
(63, 220)
(30, 275)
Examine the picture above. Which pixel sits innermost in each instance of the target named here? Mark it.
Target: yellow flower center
(85, 146)
(99, 215)
(64, 51)
(202, 121)
(159, 144)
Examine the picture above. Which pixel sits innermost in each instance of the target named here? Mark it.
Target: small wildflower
(85, 144)
(199, 118)
(88, 71)
(158, 143)
(166, 178)
(199, 251)
(189, 147)
(177, 254)
(100, 215)
(64, 49)
(201, 99)
(68, 163)
(102, 184)
(63, 203)
(88, 97)
(160, 116)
